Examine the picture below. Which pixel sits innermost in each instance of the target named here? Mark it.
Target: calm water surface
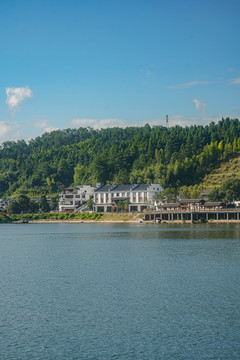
(81, 291)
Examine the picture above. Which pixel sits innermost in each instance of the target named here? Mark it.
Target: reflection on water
(119, 291)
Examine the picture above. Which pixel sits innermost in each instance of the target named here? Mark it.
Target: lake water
(100, 291)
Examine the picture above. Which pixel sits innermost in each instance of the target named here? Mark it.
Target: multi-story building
(72, 198)
(136, 197)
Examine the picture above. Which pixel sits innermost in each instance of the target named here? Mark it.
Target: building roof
(169, 205)
(104, 188)
(120, 188)
(191, 201)
(123, 188)
(141, 187)
(212, 204)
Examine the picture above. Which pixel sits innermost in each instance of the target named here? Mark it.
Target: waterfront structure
(191, 205)
(193, 210)
(72, 198)
(138, 197)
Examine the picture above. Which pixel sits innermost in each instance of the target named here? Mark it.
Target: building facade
(71, 199)
(138, 197)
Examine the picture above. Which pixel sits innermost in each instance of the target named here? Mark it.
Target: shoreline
(117, 218)
(79, 221)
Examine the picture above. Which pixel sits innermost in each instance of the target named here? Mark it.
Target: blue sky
(116, 63)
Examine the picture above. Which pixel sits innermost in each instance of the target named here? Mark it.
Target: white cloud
(173, 120)
(40, 124)
(235, 81)
(43, 124)
(98, 124)
(236, 111)
(183, 121)
(108, 123)
(15, 96)
(10, 131)
(147, 71)
(189, 84)
(4, 128)
(199, 105)
(49, 129)
(105, 123)
(83, 122)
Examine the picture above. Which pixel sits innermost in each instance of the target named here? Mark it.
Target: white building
(137, 197)
(72, 198)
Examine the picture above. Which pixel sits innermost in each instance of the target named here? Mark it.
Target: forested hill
(173, 156)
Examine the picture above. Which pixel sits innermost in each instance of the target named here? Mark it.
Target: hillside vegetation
(175, 157)
(229, 169)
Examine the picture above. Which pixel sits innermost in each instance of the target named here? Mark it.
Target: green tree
(123, 206)
(227, 192)
(79, 174)
(43, 204)
(22, 205)
(230, 189)
(168, 195)
(215, 195)
(53, 203)
(90, 204)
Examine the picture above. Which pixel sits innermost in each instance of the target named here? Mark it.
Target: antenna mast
(166, 120)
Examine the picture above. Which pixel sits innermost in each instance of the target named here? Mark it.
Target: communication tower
(166, 120)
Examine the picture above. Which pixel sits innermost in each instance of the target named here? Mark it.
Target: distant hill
(175, 157)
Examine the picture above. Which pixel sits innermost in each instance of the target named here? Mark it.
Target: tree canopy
(174, 157)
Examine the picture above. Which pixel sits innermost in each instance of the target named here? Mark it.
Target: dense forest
(175, 156)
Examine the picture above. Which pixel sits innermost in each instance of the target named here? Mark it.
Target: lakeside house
(138, 197)
(109, 198)
(127, 198)
(72, 198)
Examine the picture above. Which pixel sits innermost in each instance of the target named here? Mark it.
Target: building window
(123, 194)
(117, 194)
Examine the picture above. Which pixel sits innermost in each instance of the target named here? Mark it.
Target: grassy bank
(4, 219)
(48, 217)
